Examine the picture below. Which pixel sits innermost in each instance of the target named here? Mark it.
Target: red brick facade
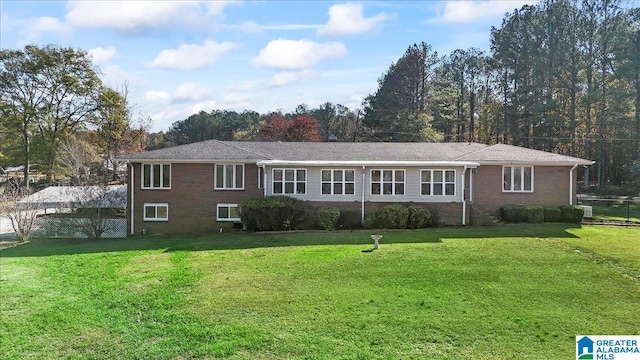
(551, 188)
(192, 199)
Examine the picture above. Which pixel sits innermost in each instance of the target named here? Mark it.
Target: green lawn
(508, 292)
(615, 210)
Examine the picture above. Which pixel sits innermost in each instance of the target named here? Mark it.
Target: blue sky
(180, 57)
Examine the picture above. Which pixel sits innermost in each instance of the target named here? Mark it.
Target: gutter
(571, 183)
(132, 202)
(362, 201)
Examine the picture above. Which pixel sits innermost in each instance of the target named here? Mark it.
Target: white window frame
(234, 176)
(228, 206)
(332, 182)
(152, 167)
(432, 183)
(295, 181)
(393, 182)
(513, 187)
(156, 206)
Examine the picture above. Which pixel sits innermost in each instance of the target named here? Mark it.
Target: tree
(406, 87)
(276, 128)
(21, 213)
(47, 92)
(303, 128)
(79, 157)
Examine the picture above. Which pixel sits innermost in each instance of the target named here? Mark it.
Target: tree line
(561, 76)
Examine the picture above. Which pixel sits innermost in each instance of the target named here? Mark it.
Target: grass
(615, 210)
(517, 291)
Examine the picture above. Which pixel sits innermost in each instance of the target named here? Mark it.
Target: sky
(180, 57)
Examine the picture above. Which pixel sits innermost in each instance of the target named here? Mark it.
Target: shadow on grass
(244, 240)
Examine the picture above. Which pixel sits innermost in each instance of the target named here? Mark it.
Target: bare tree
(21, 213)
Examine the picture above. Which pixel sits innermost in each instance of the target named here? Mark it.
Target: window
(228, 212)
(156, 212)
(289, 181)
(438, 182)
(387, 182)
(156, 176)
(230, 176)
(338, 182)
(517, 178)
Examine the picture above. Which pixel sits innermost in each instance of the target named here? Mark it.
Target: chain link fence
(621, 208)
(53, 226)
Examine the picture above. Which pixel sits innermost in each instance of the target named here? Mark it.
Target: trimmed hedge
(273, 213)
(419, 217)
(538, 214)
(327, 217)
(552, 214)
(535, 214)
(571, 214)
(350, 219)
(514, 213)
(393, 216)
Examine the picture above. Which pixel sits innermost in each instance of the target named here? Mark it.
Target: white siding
(412, 185)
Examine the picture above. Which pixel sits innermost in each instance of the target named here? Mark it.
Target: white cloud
(141, 15)
(347, 19)
(192, 92)
(157, 96)
(466, 11)
(101, 56)
(191, 57)
(297, 54)
(35, 27)
(291, 77)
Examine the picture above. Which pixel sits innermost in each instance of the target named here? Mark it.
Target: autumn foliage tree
(301, 129)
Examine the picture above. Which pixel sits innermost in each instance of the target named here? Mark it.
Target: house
(197, 187)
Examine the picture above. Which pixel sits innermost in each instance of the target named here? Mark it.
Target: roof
(112, 196)
(343, 152)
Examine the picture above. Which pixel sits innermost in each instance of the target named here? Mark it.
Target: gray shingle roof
(214, 150)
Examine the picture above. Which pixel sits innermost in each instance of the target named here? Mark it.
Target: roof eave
(469, 164)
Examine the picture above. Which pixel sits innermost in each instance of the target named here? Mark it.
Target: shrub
(419, 217)
(350, 219)
(535, 214)
(552, 214)
(393, 216)
(571, 214)
(273, 213)
(369, 221)
(327, 217)
(513, 213)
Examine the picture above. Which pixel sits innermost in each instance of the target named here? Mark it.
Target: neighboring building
(197, 187)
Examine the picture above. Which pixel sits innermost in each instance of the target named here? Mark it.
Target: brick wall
(192, 199)
(551, 188)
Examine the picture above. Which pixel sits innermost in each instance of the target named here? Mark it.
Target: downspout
(132, 202)
(362, 197)
(464, 203)
(264, 181)
(571, 184)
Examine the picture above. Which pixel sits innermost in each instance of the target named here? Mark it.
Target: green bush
(369, 221)
(552, 214)
(327, 217)
(393, 216)
(273, 213)
(571, 214)
(513, 213)
(535, 214)
(419, 217)
(350, 219)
